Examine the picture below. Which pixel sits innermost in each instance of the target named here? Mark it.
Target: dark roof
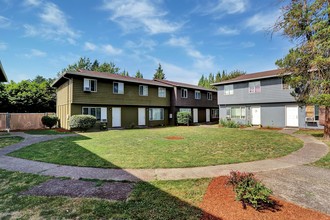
(3, 77)
(253, 76)
(102, 75)
(185, 85)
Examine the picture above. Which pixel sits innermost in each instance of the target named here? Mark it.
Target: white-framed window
(156, 114)
(285, 84)
(198, 94)
(312, 112)
(99, 112)
(90, 85)
(209, 95)
(184, 93)
(228, 112)
(143, 90)
(118, 88)
(238, 112)
(185, 110)
(162, 92)
(254, 87)
(229, 89)
(215, 113)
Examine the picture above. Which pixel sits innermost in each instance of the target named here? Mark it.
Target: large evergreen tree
(159, 74)
(307, 24)
(138, 74)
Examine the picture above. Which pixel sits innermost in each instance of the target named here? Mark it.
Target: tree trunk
(327, 123)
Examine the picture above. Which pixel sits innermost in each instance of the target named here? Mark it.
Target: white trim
(286, 115)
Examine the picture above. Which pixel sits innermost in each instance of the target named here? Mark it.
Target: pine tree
(159, 74)
(138, 74)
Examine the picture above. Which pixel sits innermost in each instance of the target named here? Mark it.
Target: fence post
(8, 121)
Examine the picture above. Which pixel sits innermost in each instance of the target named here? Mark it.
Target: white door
(291, 115)
(208, 115)
(195, 115)
(141, 116)
(116, 117)
(255, 114)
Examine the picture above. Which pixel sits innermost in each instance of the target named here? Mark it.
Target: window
(312, 113)
(185, 110)
(143, 90)
(229, 89)
(99, 113)
(89, 85)
(215, 113)
(254, 87)
(156, 114)
(236, 112)
(197, 94)
(209, 96)
(285, 84)
(161, 92)
(118, 88)
(184, 93)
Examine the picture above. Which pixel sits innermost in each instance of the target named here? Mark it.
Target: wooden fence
(21, 121)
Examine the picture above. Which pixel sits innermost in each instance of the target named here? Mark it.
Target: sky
(187, 37)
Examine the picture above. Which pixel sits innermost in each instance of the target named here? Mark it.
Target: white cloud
(201, 62)
(248, 44)
(3, 46)
(35, 53)
(262, 21)
(110, 50)
(33, 3)
(90, 46)
(227, 31)
(132, 15)
(53, 25)
(218, 8)
(141, 44)
(4, 22)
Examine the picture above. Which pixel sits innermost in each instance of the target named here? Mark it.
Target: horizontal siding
(271, 92)
(105, 96)
(192, 102)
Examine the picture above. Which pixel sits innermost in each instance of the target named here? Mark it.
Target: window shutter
(103, 114)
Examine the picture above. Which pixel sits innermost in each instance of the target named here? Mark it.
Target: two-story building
(199, 101)
(263, 99)
(120, 101)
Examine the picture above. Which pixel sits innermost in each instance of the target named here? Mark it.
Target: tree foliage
(207, 82)
(159, 74)
(138, 74)
(307, 24)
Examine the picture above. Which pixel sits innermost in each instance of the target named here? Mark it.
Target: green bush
(49, 120)
(82, 122)
(183, 118)
(250, 191)
(229, 123)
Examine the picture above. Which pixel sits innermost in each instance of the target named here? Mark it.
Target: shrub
(229, 123)
(82, 122)
(183, 117)
(49, 120)
(249, 191)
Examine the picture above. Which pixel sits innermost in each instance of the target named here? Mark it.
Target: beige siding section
(63, 106)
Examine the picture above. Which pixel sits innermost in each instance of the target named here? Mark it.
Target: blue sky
(188, 37)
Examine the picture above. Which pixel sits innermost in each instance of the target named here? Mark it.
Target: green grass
(155, 200)
(46, 132)
(324, 162)
(148, 148)
(6, 141)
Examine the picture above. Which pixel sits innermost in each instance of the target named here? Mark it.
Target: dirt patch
(174, 138)
(271, 128)
(79, 188)
(219, 203)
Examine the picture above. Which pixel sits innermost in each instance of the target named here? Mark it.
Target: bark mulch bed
(219, 203)
(78, 188)
(174, 138)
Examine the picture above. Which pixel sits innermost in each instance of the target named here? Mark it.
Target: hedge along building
(119, 101)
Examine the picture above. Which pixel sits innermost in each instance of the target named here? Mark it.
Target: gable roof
(253, 76)
(185, 85)
(102, 75)
(3, 77)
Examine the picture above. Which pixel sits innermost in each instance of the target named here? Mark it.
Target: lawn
(325, 161)
(149, 148)
(154, 200)
(6, 141)
(47, 132)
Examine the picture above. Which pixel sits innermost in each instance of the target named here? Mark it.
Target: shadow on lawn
(148, 200)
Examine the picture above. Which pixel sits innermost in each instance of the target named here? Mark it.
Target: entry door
(195, 115)
(208, 115)
(256, 116)
(292, 116)
(116, 117)
(142, 116)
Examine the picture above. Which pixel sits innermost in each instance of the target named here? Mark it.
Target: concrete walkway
(290, 179)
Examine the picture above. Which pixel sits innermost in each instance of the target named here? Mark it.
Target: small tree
(159, 74)
(49, 121)
(138, 74)
(82, 122)
(183, 118)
